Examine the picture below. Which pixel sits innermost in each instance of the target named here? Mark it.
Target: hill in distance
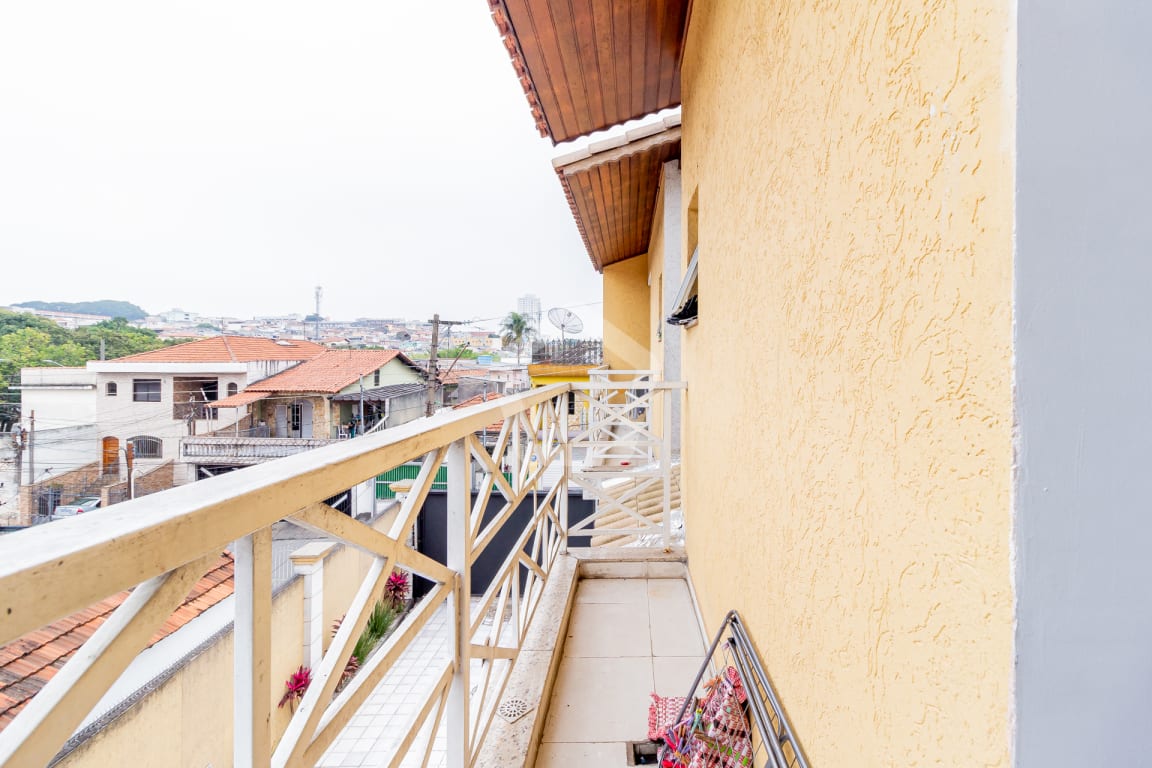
(123, 309)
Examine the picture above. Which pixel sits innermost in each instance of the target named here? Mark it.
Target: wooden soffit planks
(586, 65)
(612, 187)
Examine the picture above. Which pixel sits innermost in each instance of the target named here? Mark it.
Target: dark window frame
(140, 394)
(110, 389)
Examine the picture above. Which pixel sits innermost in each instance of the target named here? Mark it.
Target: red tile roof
(330, 372)
(27, 664)
(229, 349)
(483, 397)
(240, 399)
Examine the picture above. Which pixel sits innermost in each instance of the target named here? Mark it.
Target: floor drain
(643, 752)
(514, 709)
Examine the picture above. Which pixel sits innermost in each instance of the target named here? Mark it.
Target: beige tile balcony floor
(626, 638)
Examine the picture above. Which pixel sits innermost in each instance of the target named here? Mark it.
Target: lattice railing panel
(161, 545)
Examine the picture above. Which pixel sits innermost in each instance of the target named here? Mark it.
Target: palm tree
(515, 329)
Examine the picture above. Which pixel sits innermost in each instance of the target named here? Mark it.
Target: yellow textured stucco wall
(847, 477)
(626, 314)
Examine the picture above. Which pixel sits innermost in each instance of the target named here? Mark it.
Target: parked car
(79, 506)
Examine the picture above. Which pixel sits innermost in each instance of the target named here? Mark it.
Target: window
(145, 447)
(110, 389)
(232, 389)
(687, 302)
(376, 378)
(295, 417)
(146, 390)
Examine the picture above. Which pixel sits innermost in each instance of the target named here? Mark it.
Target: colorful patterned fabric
(662, 715)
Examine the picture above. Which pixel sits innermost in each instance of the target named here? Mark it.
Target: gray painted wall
(672, 334)
(1084, 384)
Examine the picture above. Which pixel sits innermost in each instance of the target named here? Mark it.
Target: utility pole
(31, 448)
(130, 461)
(18, 446)
(319, 293)
(433, 373)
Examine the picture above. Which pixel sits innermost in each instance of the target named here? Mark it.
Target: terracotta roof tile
(28, 663)
(495, 426)
(229, 349)
(330, 372)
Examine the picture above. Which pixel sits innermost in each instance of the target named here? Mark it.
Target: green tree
(15, 321)
(515, 330)
(28, 341)
(120, 339)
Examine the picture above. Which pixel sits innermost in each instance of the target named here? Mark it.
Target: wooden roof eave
(660, 137)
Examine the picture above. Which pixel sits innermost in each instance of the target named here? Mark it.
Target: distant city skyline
(329, 147)
(589, 311)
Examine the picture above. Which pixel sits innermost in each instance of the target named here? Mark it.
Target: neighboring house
(308, 406)
(152, 399)
(302, 402)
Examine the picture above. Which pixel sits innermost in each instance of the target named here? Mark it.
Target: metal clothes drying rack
(774, 743)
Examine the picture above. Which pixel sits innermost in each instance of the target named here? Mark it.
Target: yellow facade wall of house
(847, 482)
(183, 722)
(626, 314)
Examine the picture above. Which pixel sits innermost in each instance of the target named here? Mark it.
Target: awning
(379, 394)
(239, 399)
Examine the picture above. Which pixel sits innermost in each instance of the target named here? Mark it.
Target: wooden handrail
(51, 571)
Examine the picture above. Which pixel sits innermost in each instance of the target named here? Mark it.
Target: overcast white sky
(227, 157)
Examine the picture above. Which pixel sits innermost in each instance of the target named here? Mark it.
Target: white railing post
(562, 493)
(252, 651)
(459, 503)
(665, 396)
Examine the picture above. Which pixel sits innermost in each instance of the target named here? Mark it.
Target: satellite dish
(567, 321)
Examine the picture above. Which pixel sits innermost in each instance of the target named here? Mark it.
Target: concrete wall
(61, 397)
(626, 314)
(1084, 361)
(847, 478)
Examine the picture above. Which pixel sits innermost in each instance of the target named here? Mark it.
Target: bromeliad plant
(379, 622)
(397, 589)
(295, 686)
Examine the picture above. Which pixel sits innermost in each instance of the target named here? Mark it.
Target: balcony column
(308, 561)
(459, 503)
(562, 493)
(252, 651)
(670, 348)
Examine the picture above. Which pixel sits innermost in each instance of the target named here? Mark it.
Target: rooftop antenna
(567, 321)
(319, 293)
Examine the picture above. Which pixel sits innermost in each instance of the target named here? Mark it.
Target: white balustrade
(161, 544)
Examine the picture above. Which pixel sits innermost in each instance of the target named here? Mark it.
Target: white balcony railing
(160, 545)
(223, 449)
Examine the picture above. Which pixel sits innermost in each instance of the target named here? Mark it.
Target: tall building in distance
(528, 305)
